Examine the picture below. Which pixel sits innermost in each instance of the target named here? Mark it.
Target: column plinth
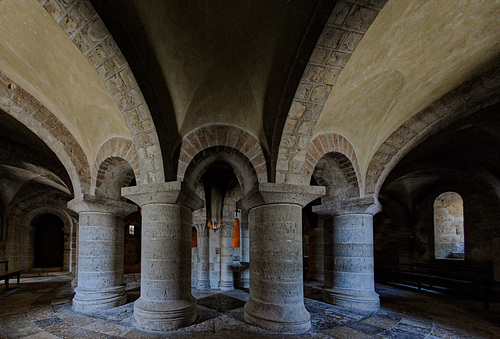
(276, 297)
(352, 283)
(100, 253)
(166, 302)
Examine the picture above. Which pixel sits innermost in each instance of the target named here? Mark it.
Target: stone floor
(41, 308)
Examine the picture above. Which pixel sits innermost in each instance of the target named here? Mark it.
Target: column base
(203, 285)
(287, 318)
(226, 286)
(361, 300)
(86, 301)
(164, 316)
(245, 283)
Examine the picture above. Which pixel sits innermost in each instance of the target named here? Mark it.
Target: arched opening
(49, 241)
(221, 175)
(449, 241)
(132, 243)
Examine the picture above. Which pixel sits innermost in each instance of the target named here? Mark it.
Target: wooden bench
(466, 282)
(6, 274)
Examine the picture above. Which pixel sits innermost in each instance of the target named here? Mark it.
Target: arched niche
(48, 241)
(449, 236)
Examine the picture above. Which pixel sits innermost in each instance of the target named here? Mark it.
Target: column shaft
(245, 251)
(276, 300)
(226, 257)
(203, 282)
(353, 267)
(100, 253)
(166, 302)
(316, 254)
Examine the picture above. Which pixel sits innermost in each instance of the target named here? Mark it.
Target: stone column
(166, 302)
(276, 298)
(226, 256)
(194, 266)
(316, 254)
(245, 250)
(352, 284)
(203, 282)
(100, 253)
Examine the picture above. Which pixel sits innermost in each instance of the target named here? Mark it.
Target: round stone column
(226, 256)
(203, 282)
(316, 254)
(353, 284)
(100, 253)
(276, 297)
(245, 250)
(166, 302)
(194, 266)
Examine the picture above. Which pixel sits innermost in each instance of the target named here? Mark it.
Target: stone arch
(473, 95)
(28, 202)
(332, 161)
(119, 148)
(227, 137)
(113, 174)
(68, 229)
(79, 20)
(225, 157)
(345, 28)
(24, 107)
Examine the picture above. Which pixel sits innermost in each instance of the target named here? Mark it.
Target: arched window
(449, 226)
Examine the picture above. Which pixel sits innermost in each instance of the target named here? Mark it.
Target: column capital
(227, 228)
(367, 205)
(270, 193)
(90, 203)
(173, 192)
(201, 228)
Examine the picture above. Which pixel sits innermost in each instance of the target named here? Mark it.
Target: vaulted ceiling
(240, 62)
(200, 62)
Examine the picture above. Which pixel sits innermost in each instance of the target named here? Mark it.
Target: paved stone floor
(41, 308)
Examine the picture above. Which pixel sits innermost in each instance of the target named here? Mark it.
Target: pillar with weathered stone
(276, 298)
(100, 253)
(316, 253)
(352, 283)
(245, 250)
(203, 282)
(166, 302)
(194, 266)
(226, 256)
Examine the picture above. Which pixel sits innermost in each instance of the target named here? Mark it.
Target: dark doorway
(49, 241)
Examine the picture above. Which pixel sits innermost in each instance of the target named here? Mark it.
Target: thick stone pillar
(194, 266)
(226, 256)
(214, 258)
(316, 254)
(203, 282)
(245, 250)
(166, 302)
(100, 253)
(276, 298)
(352, 284)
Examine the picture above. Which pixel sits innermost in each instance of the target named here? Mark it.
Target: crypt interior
(250, 169)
